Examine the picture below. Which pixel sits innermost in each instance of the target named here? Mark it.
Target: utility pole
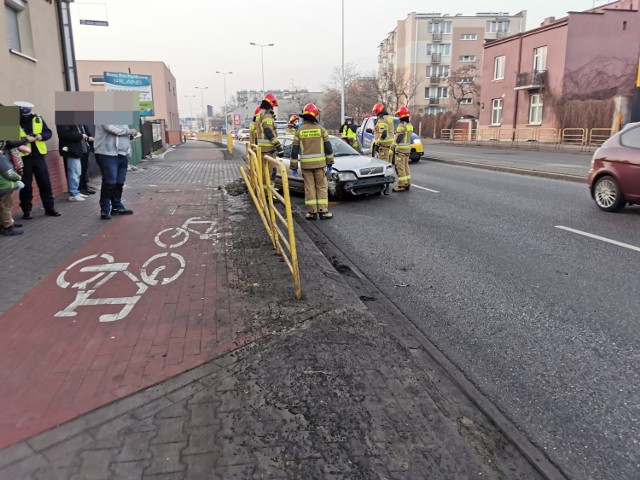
(635, 106)
(262, 58)
(224, 77)
(204, 113)
(342, 96)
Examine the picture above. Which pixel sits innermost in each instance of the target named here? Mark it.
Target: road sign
(95, 23)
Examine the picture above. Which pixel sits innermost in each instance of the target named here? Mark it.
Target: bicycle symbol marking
(102, 268)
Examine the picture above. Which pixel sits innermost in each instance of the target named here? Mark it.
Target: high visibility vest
(348, 133)
(36, 125)
(404, 145)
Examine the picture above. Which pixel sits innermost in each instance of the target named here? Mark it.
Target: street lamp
(342, 96)
(224, 80)
(262, 58)
(190, 106)
(204, 116)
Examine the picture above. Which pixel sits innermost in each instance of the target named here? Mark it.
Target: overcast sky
(196, 38)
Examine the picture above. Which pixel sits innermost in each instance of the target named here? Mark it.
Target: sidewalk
(234, 377)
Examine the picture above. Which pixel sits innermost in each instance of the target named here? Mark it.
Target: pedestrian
(401, 150)
(10, 181)
(73, 145)
(84, 187)
(34, 129)
(312, 145)
(266, 132)
(112, 147)
(292, 126)
(384, 132)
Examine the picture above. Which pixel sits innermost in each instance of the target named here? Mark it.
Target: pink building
(591, 54)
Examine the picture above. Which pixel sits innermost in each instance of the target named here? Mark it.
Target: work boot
(399, 189)
(326, 215)
(310, 216)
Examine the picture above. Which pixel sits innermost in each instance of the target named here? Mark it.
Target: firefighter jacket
(266, 132)
(385, 131)
(290, 131)
(38, 127)
(312, 146)
(252, 131)
(402, 142)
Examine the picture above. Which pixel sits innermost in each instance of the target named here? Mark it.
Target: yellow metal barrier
(487, 135)
(527, 135)
(549, 136)
(574, 136)
(229, 143)
(215, 137)
(446, 134)
(597, 136)
(258, 181)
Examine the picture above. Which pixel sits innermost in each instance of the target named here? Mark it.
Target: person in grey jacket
(112, 146)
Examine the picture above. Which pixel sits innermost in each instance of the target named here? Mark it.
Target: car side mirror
(369, 130)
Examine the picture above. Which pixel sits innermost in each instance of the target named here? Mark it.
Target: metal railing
(215, 137)
(597, 136)
(229, 143)
(257, 177)
(574, 137)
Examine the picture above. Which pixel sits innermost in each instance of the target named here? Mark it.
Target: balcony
(501, 34)
(434, 80)
(436, 57)
(434, 101)
(531, 80)
(437, 37)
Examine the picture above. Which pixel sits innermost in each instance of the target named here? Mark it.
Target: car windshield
(341, 148)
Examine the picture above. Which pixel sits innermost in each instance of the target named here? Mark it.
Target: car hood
(356, 162)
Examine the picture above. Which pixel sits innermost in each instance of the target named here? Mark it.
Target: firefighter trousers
(316, 190)
(402, 167)
(384, 153)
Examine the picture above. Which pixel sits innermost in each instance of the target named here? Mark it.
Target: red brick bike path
(54, 368)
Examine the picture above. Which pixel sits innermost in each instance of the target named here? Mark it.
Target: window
(464, 80)
(13, 29)
(535, 110)
(441, 48)
(19, 28)
(468, 36)
(439, 27)
(465, 101)
(97, 79)
(436, 92)
(441, 71)
(467, 58)
(495, 26)
(540, 59)
(434, 110)
(496, 111)
(498, 68)
(631, 138)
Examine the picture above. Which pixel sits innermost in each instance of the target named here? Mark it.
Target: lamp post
(342, 96)
(190, 105)
(204, 115)
(262, 59)
(224, 80)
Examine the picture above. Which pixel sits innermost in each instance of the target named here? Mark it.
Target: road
(542, 319)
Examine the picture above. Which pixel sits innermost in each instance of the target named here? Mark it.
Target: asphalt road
(543, 320)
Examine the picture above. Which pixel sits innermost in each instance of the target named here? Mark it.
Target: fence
(215, 137)
(257, 177)
(597, 136)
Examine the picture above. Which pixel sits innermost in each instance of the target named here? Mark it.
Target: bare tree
(464, 83)
(600, 79)
(395, 88)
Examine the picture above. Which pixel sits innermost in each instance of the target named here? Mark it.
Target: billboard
(132, 82)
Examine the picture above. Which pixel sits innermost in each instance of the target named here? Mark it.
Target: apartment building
(586, 55)
(421, 60)
(163, 85)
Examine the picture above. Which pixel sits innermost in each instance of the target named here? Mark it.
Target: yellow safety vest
(348, 133)
(36, 124)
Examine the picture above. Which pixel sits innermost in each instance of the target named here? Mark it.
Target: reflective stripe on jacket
(263, 123)
(402, 142)
(36, 125)
(310, 139)
(385, 124)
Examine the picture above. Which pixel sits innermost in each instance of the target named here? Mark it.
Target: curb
(515, 170)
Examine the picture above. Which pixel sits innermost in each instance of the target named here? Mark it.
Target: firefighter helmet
(257, 111)
(293, 119)
(271, 99)
(403, 112)
(310, 109)
(377, 108)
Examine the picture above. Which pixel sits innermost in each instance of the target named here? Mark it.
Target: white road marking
(597, 237)
(413, 185)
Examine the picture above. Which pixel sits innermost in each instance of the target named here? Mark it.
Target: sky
(196, 38)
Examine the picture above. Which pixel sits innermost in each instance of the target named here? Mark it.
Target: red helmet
(403, 112)
(271, 99)
(310, 109)
(293, 119)
(257, 110)
(377, 108)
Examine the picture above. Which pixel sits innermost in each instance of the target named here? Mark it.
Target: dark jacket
(70, 141)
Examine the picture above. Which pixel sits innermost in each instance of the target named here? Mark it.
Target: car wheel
(608, 194)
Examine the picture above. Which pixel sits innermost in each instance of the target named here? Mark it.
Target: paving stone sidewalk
(324, 392)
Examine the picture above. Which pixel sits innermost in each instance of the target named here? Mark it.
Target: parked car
(353, 174)
(365, 136)
(614, 177)
(243, 134)
(281, 127)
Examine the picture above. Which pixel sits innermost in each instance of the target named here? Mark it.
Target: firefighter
(252, 127)
(384, 132)
(348, 132)
(401, 149)
(266, 133)
(293, 125)
(312, 146)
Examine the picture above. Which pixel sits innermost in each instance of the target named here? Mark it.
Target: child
(9, 182)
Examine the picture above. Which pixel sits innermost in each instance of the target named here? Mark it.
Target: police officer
(266, 132)
(348, 132)
(293, 125)
(34, 129)
(401, 148)
(384, 131)
(312, 146)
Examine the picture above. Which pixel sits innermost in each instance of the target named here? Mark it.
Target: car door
(368, 129)
(630, 166)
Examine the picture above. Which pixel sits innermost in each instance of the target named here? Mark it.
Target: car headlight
(347, 176)
(416, 140)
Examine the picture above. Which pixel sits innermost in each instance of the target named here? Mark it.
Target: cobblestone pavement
(324, 391)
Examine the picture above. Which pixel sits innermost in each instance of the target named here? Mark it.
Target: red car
(614, 178)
